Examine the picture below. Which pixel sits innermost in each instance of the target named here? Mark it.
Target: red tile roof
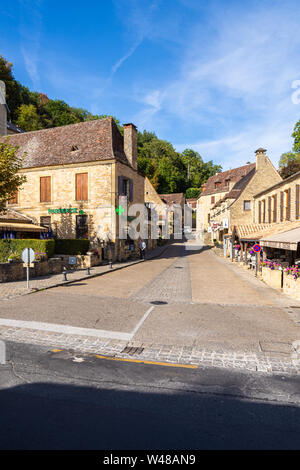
(235, 175)
(173, 198)
(75, 143)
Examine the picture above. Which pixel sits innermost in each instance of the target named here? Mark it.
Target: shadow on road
(53, 416)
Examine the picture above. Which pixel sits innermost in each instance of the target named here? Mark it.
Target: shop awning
(285, 241)
(22, 227)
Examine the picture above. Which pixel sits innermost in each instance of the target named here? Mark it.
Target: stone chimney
(3, 110)
(261, 158)
(130, 144)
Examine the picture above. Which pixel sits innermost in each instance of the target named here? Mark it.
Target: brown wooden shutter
(281, 206)
(81, 187)
(288, 208)
(275, 209)
(269, 209)
(259, 212)
(14, 199)
(297, 200)
(45, 189)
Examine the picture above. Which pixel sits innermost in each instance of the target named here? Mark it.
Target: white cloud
(30, 32)
(236, 83)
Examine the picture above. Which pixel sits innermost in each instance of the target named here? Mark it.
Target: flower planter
(291, 286)
(272, 277)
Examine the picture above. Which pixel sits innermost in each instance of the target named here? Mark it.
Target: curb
(63, 283)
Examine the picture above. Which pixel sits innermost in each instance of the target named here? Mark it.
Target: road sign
(257, 248)
(28, 255)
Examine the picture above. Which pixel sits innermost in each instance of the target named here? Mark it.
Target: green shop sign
(70, 210)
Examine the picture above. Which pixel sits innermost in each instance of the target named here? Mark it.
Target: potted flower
(272, 273)
(291, 284)
(14, 257)
(40, 256)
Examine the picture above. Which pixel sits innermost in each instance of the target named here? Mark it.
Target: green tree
(289, 164)
(28, 118)
(192, 193)
(296, 136)
(10, 180)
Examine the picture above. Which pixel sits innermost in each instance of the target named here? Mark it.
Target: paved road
(52, 400)
(183, 299)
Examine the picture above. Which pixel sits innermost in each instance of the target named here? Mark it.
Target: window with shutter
(297, 200)
(269, 209)
(14, 199)
(281, 206)
(287, 198)
(275, 208)
(81, 187)
(264, 211)
(259, 212)
(45, 189)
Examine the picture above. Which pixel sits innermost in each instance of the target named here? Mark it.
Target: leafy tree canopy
(169, 171)
(10, 180)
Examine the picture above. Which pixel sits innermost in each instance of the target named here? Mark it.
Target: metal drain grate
(132, 351)
(158, 302)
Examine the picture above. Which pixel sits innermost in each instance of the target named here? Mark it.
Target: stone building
(214, 190)
(235, 208)
(278, 209)
(75, 176)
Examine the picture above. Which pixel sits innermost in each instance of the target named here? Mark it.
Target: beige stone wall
(204, 206)
(264, 177)
(283, 187)
(150, 194)
(101, 178)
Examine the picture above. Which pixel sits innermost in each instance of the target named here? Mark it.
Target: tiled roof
(12, 215)
(259, 231)
(75, 143)
(173, 198)
(234, 175)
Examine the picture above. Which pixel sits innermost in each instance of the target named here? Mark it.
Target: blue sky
(215, 76)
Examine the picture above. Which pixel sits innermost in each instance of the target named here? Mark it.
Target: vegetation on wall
(15, 246)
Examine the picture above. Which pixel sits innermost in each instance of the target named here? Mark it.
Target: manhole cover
(132, 351)
(158, 302)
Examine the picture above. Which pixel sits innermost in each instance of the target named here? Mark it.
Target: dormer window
(217, 184)
(227, 182)
(74, 148)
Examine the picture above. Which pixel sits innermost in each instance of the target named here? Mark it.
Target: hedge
(17, 246)
(72, 246)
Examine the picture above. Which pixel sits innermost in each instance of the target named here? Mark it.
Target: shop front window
(82, 229)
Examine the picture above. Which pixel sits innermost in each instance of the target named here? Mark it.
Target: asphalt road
(59, 400)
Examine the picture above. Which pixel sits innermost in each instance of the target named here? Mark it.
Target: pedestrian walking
(143, 249)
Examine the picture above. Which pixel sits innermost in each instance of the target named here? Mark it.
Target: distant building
(227, 201)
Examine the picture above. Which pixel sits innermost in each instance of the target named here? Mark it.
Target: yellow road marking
(140, 361)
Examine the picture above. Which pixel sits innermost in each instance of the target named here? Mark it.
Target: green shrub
(72, 246)
(17, 246)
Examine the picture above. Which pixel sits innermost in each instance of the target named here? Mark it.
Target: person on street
(143, 249)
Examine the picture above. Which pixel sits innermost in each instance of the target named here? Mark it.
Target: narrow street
(185, 298)
(132, 358)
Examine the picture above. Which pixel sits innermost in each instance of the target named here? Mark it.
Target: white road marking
(66, 329)
(142, 320)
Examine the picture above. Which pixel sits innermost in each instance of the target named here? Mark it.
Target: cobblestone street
(183, 306)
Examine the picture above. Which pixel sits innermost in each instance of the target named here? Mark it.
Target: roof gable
(234, 175)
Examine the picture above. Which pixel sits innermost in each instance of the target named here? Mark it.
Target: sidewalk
(9, 290)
